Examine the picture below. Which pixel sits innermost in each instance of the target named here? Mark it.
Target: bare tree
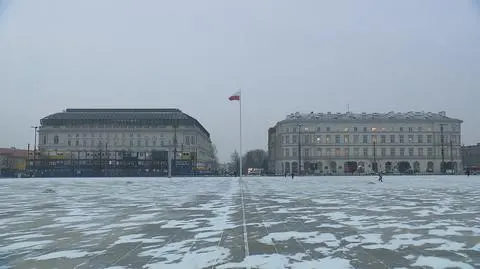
(257, 158)
(234, 165)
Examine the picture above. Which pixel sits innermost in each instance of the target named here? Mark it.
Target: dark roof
(13, 152)
(119, 114)
(349, 116)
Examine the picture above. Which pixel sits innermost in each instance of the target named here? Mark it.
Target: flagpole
(241, 154)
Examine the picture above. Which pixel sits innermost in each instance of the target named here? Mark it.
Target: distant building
(346, 143)
(471, 157)
(272, 154)
(122, 141)
(12, 161)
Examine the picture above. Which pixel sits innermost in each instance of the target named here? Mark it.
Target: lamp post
(410, 140)
(442, 149)
(374, 141)
(34, 145)
(299, 150)
(375, 168)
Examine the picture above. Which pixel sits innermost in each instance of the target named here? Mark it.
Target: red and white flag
(235, 96)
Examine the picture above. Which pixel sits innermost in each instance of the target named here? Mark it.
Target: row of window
(365, 152)
(366, 139)
(453, 128)
(115, 135)
(187, 140)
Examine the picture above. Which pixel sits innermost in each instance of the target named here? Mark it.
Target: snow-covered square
(257, 222)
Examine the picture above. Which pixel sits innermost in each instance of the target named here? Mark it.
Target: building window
(356, 139)
(319, 152)
(318, 129)
(429, 139)
(55, 140)
(338, 152)
(286, 152)
(327, 139)
(410, 152)
(294, 152)
(328, 129)
(420, 139)
(383, 151)
(430, 152)
(365, 139)
(346, 139)
(364, 129)
(410, 129)
(383, 139)
(401, 139)
(402, 151)
(187, 140)
(77, 143)
(306, 152)
(410, 138)
(287, 139)
(294, 139)
(356, 152)
(392, 152)
(365, 152)
(401, 129)
(337, 139)
(294, 129)
(420, 151)
(69, 142)
(392, 138)
(355, 129)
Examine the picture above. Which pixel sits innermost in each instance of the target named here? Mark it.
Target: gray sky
(287, 56)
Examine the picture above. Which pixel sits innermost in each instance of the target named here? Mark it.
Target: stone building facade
(349, 143)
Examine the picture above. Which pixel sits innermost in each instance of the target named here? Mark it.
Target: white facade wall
(330, 143)
(64, 140)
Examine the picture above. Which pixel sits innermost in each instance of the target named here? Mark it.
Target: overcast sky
(287, 56)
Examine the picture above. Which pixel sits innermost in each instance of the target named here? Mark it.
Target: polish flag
(235, 96)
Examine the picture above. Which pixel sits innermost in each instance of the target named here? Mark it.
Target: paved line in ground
(245, 234)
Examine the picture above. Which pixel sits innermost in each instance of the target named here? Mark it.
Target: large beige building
(345, 143)
(115, 134)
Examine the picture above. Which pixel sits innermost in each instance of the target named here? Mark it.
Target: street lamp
(410, 140)
(299, 150)
(442, 149)
(374, 141)
(34, 144)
